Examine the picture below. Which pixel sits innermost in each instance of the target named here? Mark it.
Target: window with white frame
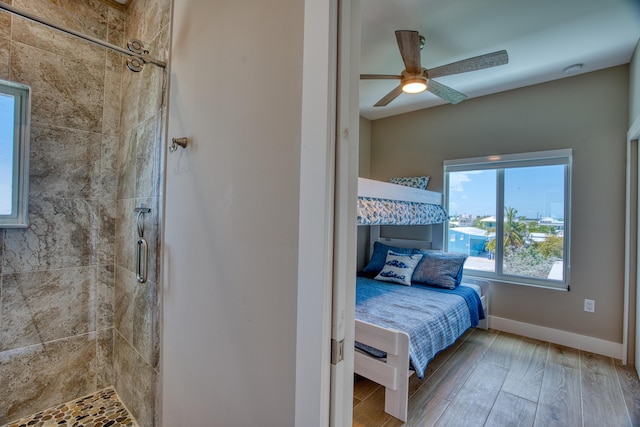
(523, 198)
(14, 154)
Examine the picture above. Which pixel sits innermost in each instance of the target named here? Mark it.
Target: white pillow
(399, 268)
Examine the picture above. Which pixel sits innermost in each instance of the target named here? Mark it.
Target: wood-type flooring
(490, 378)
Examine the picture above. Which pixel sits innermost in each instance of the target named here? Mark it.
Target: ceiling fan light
(414, 85)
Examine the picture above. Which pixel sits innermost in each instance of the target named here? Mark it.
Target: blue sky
(6, 152)
(534, 191)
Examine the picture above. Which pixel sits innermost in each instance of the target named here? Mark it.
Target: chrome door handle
(142, 249)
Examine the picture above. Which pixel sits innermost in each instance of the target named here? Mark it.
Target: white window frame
(18, 218)
(499, 163)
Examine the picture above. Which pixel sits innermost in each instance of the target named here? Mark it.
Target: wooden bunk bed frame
(393, 372)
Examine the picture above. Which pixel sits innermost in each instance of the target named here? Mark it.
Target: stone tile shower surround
(73, 318)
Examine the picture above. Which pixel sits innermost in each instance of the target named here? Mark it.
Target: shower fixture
(136, 63)
(142, 247)
(138, 55)
(178, 142)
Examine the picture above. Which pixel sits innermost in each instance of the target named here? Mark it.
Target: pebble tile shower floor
(101, 409)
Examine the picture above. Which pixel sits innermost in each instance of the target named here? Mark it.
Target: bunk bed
(390, 347)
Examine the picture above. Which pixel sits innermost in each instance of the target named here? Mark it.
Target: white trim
(346, 131)
(19, 214)
(518, 157)
(631, 265)
(313, 334)
(634, 130)
(556, 336)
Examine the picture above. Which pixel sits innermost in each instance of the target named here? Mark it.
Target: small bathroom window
(15, 100)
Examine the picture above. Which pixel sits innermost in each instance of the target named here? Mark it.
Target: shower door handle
(142, 250)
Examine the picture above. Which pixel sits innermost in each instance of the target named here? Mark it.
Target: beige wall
(364, 149)
(588, 113)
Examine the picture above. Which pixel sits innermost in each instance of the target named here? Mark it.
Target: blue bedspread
(432, 317)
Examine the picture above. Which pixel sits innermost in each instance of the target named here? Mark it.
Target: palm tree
(514, 230)
(491, 245)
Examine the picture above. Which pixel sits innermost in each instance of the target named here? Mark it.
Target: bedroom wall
(588, 113)
(364, 149)
(364, 170)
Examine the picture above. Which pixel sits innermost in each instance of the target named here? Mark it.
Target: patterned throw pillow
(399, 268)
(378, 258)
(440, 269)
(420, 182)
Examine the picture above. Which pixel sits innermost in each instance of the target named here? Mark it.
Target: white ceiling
(542, 37)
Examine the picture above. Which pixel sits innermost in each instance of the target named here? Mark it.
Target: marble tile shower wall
(72, 317)
(57, 275)
(137, 306)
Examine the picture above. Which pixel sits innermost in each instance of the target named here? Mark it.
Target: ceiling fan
(415, 79)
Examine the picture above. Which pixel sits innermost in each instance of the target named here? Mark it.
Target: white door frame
(315, 245)
(327, 229)
(345, 225)
(632, 238)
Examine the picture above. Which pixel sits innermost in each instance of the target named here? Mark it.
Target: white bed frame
(387, 190)
(394, 372)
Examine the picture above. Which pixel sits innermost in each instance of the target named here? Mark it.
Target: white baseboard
(556, 336)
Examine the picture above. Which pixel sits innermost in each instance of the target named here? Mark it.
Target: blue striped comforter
(432, 317)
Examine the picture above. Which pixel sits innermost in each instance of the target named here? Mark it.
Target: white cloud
(457, 179)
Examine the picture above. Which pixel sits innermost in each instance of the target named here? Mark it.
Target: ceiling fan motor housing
(413, 82)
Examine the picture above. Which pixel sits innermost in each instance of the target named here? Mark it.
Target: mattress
(432, 317)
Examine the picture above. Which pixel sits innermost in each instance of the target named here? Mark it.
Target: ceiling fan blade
(445, 92)
(409, 44)
(471, 64)
(379, 77)
(389, 97)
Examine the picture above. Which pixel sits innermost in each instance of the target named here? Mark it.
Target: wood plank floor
(490, 378)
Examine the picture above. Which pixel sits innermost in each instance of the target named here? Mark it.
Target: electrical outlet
(590, 305)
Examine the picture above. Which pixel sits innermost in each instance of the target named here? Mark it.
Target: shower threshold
(101, 409)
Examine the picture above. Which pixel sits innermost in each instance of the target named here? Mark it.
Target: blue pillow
(420, 182)
(379, 257)
(440, 269)
(398, 268)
